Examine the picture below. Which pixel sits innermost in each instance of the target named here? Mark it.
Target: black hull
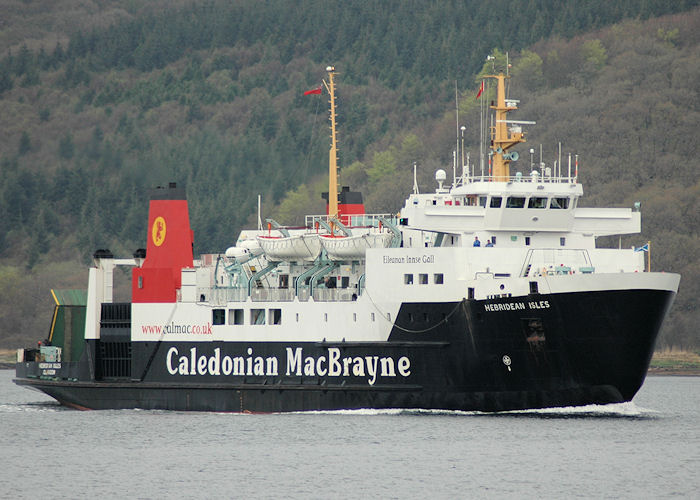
(267, 399)
(502, 354)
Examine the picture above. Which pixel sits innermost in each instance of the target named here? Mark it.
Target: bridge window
(275, 316)
(218, 317)
(408, 279)
(257, 316)
(515, 202)
(496, 202)
(537, 202)
(235, 316)
(561, 203)
(482, 201)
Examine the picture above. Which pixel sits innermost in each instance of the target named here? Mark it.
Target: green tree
(66, 148)
(383, 167)
(594, 56)
(25, 144)
(528, 70)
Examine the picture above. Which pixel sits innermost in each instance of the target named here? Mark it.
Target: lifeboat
(304, 247)
(353, 247)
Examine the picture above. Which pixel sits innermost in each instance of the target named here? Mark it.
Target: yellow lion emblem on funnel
(158, 231)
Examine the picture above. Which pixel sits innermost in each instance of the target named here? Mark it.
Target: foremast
(333, 211)
(503, 138)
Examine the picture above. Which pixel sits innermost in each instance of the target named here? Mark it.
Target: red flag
(314, 91)
(481, 89)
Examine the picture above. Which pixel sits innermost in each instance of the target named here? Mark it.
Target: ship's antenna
(569, 175)
(462, 129)
(559, 162)
(481, 136)
(457, 114)
(454, 169)
(415, 179)
(259, 219)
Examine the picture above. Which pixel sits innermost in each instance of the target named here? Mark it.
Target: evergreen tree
(24, 144)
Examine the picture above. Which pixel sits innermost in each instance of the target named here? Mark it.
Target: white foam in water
(628, 410)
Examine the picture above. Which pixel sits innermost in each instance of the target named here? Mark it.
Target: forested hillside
(100, 101)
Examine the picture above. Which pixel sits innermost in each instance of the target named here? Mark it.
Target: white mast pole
(457, 114)
(454, 169)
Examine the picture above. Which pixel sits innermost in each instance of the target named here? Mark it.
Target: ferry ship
(486, 294)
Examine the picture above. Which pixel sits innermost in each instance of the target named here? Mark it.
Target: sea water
(649, 448)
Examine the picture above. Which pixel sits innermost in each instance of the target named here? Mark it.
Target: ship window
(470, 293)
(218, 317)
(562, 241)
(534, 288)
(423, 279)
(408, 279)
(297, 317)
(562, 203)
(345, 281)
(496, 202)
(527, 241)
(284, 281)
(275, 316)
(257, 316)
(515, 202)
(354, 316)
(537, 202)
(140, 281)
(438, 278)
(325, 317)
(235, 316)
(372, 316)
(493, 240)
(388, 316)
(482, 201)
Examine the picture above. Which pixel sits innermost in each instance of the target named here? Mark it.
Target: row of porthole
(438, 278)
(258, 317)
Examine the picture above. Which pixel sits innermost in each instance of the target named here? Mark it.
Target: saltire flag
(643, 248)
(313, 91)
(481, 89)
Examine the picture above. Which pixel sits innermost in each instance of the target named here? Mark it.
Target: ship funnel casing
(169, 248)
